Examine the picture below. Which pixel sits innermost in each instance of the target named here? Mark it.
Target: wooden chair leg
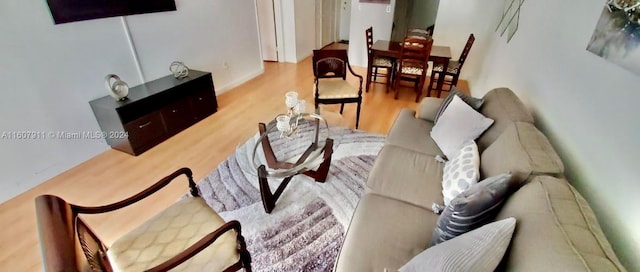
(420, 84)
(375, 74)
(454, 80)
(358, 115)
(341, 108)
(431, 79)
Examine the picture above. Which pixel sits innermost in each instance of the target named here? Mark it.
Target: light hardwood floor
(114, 175)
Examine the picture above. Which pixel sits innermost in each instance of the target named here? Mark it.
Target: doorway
(333, 18)
(345, 20)
(267, 28)
(413, 14)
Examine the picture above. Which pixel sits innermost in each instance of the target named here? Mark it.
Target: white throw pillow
(479, 250)
(460, 172)
(458, 124)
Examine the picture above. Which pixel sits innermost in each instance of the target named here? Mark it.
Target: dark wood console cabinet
(155, 111)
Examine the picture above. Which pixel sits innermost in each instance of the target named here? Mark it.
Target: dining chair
(413, 63)
(187, 236)
(375, 63)
(452, 72)
(330, 85)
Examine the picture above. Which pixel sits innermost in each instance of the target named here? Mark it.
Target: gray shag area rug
(305, 230)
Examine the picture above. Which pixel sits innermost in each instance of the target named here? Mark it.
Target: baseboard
(239, 81)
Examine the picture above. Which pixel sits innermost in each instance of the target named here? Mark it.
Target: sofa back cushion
(556, 230)
(522, 150)
(504, 107)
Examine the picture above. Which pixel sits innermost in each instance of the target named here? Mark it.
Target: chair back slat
(369, 37)
(415, 50)
(94, 250)
(330, 63)
(467, 48)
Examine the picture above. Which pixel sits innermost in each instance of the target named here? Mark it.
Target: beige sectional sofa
(556, 230)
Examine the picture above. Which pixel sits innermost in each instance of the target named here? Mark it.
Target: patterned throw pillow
(461, 172)
(475, 103)
(473, 208)
(479, 250)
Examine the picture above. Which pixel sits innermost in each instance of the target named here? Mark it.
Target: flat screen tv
(65, 11)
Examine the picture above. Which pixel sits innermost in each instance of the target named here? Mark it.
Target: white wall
(50, 72)
(305, 14)
(364, 15)
(586, 105)
(296, 21)
(456, 20)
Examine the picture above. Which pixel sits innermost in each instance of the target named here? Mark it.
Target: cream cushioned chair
(331, 86)
(187, 236)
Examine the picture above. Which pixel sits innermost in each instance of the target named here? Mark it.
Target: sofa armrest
(429, 107)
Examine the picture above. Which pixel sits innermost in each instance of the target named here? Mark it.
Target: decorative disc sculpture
(118, 89)
(178, 69)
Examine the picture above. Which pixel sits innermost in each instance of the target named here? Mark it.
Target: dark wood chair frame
(370, 64)
(340, 54)
(65, 237)
(454, 76)
(414, 51)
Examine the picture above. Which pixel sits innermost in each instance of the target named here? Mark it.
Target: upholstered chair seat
(412, 70)
(331, 88)
(383, 62)
(452, 68)
(171, 232)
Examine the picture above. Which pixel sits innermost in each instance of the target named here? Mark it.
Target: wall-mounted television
(65, 11)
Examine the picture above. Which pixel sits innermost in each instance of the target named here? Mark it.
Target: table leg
(320, 175)
(269, 199)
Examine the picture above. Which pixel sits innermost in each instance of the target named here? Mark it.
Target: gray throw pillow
(473, 208)
(475, 103)
(479, 250)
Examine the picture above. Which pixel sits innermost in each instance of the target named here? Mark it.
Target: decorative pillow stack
(458, 124)
(461, 172)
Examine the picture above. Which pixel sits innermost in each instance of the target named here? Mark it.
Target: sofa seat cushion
(504, 107)
(384, 233)
(556, 230)
(522, 150)
(407, 175)
(412, 133)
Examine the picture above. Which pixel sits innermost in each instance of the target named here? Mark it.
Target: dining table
(383, 48)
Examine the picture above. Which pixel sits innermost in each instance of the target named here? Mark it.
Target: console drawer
(203, 104)
(145, 129)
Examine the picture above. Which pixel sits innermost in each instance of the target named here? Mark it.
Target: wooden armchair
(330, 86)
(187, 236)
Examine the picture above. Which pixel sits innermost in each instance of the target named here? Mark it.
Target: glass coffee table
(305, 148)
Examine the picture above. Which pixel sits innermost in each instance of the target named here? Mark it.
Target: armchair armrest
(141, 195)
(356, 75)
(199, 246)
(429, 107)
